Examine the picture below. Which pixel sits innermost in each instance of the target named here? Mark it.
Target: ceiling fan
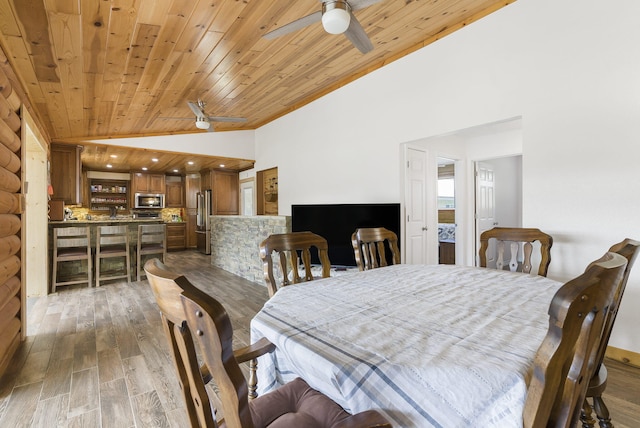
(337, 18)
(203, 121)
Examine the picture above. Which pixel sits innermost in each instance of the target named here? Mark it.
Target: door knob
(425, 228)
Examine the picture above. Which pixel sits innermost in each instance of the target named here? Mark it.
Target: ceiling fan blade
(226, 119)
(195, 108)
(358, 36)
(298, 24)
(361, 4)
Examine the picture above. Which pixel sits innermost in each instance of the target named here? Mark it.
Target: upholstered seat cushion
(295, 404)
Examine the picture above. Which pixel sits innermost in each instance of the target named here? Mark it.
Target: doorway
(247, 197)
(498, 199)
(487, 142)
(446, 211)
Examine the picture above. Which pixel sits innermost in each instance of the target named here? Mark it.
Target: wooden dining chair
(71, 244)
(566, 359)
(152, 241)
(515, 236)
(112, 242)
(375, 247)
(629, 249)
(291, 249)
(195, 321)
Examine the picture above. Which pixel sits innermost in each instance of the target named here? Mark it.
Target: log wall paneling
(11, 297)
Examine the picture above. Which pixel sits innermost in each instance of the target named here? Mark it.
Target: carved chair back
(629, 249)
(291, 249)
(375, 247)
(515, 237)
(567, 356)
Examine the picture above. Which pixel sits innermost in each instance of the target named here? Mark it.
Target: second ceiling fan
(337, 18)
(203, 121)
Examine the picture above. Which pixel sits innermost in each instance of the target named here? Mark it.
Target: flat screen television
(336, 223)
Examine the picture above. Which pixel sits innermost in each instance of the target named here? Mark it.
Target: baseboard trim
(624, 356)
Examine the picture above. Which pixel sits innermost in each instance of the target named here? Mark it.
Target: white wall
(232, 144)
(569, 69)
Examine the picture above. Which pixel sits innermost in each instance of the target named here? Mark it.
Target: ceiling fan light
(202, 123)
(335, 16)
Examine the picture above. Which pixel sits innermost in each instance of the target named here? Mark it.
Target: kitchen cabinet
(225, 186)
(176, 236)
(142, 182)
(174, 192)
(107, 194)
(65, 173)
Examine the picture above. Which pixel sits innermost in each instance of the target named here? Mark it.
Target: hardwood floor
(98, 357)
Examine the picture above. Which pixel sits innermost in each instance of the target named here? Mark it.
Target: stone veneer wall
(235, 242)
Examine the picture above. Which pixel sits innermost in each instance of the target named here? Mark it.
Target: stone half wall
(235, 242)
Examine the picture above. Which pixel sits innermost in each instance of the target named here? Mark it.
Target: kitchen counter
(105, 221)
(69, 269)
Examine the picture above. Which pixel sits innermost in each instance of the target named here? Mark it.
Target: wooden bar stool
(71, 244)
(152, 239)
(112, 241)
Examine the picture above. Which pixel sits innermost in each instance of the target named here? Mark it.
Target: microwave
(148, 200)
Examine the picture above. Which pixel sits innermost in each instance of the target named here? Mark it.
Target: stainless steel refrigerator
(203, 222)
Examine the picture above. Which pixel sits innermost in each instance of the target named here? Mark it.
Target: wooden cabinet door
(205, 179)
(175, 194)
(176, 238)
(147, 183)
(139, 183)
(192, 236)
(225, 193)
(65, 173)
(192, 187)
(156, 183)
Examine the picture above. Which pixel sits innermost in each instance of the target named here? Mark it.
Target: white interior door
(415, 200)
(247, 197)
(485, 205)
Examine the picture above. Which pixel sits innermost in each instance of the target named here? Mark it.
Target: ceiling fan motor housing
(336, 16)
(202, 123)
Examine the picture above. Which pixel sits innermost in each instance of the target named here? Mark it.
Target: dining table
(426, 345)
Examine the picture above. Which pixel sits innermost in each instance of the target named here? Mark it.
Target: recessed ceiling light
(144, 168)
(190, 162)
(154, 159)
(113, 156)
(109, 165)
(175, 170)
(221, 165)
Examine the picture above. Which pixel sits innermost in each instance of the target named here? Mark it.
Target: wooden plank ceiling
(118, 68)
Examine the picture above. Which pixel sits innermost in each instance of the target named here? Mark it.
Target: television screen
(336, 223)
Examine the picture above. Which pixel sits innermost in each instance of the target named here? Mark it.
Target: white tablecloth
(427, 345)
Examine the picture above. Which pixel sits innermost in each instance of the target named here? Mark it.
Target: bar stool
(71, 244)
(152, 239)
(112, 241)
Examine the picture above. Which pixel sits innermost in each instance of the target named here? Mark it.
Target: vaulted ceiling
(115, 68)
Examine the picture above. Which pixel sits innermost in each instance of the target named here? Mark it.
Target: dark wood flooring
(97, 357)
